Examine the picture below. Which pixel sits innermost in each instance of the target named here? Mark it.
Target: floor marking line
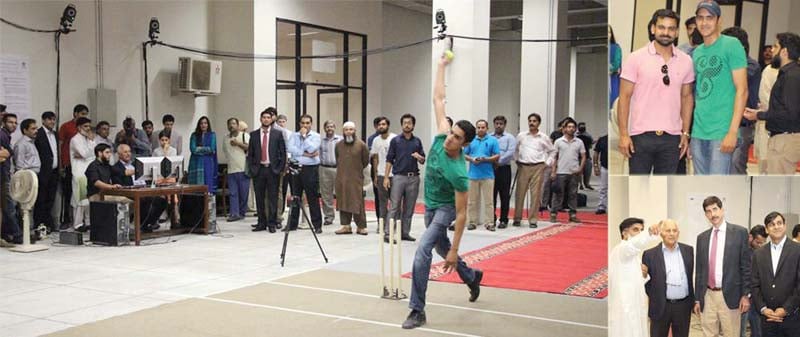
(503, 313)
(346, 318)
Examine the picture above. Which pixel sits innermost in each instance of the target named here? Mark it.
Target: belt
(714, 289)
(678, 300)
(660, 133)
(529, 164)
(771, 134)
(265, 165)
(407, 174)
(329, 166)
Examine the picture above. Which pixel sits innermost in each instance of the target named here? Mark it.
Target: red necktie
(712, 261)
(264, 146)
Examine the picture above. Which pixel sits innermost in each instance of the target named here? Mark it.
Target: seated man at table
(98, 177)
(122, 173)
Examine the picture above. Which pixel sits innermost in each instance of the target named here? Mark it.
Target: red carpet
(590, 217)
(563, 259)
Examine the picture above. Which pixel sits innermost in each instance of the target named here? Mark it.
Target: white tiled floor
(66, 286)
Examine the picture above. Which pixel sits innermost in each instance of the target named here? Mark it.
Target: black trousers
(677, 315)
(378, 214)
(654, 153)
(11, 225)
(789, 328)
(151, 208)
(66, 195)
(502, 187)
(307, 181)
(48, 185)
(265, 184)
(567, 192)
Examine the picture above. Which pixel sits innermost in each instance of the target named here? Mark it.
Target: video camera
(294, 167)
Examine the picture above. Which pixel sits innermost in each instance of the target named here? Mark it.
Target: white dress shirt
(775, 253)
(720, 252)
(534, 149)
(51, 138)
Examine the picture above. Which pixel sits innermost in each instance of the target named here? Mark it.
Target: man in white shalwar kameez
(81, 154)
(627, 300)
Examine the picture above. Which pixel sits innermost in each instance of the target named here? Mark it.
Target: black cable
(33, 30)
(58, 75)
(146, 93)
(525, 40)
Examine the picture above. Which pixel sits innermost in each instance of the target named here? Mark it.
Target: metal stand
(296, 203)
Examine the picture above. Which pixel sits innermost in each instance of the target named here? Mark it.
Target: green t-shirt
(443, 175)
(715, 92)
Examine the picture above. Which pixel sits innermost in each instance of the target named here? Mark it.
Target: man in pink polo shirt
(655, 101)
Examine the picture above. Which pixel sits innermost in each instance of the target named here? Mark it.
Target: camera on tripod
(294, 167)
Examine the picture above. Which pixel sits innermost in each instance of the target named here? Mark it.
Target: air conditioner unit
(200, 77)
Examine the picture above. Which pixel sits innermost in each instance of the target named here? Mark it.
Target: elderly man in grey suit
(722, 285)
(670, 266)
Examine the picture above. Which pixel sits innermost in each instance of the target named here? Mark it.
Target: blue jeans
(435, 236)
(708, 159)
(239, 187)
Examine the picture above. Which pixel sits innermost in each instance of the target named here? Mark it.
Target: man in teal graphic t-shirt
(446, 186)
(720, 67)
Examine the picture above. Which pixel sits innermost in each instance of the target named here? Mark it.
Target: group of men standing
(704, 105)
(736, 277)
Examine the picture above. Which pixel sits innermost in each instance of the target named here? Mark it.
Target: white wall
(406, 72)
(504, 77)
(124, 29)
(591, 91)
(232, 29)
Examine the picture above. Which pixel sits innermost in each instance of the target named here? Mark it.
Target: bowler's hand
(451, 261)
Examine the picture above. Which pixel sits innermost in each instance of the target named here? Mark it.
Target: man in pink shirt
(655, 101)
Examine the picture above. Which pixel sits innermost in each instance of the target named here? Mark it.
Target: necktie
(264, 146)
(712, 261)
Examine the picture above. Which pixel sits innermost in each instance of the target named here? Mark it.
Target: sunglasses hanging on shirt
(665, 71)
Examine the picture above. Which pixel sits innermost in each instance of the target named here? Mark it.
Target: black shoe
(272, 229)
(408, 238)
(471, 226)
(146, 228)
(83, 228)
(516, 223)
(415, 319)
(259, 228)
(254, 225)
(533, 225)
(502, 225)
(386, 239)
(318, 230)
(17, 240)
(589, 188)
(600, 211)
(475, 287)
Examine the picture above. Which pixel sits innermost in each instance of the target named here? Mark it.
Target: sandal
(344, 230)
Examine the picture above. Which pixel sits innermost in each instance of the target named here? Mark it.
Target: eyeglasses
(665, 71)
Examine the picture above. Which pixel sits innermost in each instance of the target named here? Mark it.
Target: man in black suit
(776, 281)
(265, 163)
(122, 174)
(670, 266)
(46, 143)
(722, 287)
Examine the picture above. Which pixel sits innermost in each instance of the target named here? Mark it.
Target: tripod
(296, 203)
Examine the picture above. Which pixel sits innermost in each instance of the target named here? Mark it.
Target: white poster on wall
(319, 48)
(15, 87)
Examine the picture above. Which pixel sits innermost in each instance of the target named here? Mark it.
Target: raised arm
(439, 96)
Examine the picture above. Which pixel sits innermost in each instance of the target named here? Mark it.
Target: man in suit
(722, 287)
(776, 281)
(46, 143)
(122, 173)
(266, 158)
(670, 266)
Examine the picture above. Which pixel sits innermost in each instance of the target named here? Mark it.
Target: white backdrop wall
(124, 28)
